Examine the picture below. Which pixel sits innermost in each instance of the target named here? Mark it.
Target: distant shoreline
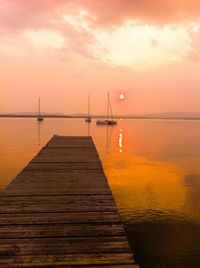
(98, 116)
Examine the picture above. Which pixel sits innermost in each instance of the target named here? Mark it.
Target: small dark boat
(39, 119)
(106, 122)
(88, 120)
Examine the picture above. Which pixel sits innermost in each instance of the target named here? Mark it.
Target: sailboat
(88, 118)
(109, 121)
(39, 118)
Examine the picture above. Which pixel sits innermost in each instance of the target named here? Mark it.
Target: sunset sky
(62, 50)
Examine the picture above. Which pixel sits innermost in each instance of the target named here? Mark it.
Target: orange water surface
(153, 168)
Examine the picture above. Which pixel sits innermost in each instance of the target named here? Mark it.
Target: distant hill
(166, 115)
(34, 113)
(175, 115)
(46, 114)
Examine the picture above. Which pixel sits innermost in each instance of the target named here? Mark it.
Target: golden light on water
(120, 141)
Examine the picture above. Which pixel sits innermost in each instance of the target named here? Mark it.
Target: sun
(121, 96)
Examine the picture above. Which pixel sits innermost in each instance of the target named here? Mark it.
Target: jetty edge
(59, 211)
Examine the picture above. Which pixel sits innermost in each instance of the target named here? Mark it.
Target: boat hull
(39, 119)
(106, 122)
(88, 120)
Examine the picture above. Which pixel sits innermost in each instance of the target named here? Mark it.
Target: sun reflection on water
(120, 141)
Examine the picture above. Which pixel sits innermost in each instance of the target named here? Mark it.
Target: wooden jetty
(59, 212)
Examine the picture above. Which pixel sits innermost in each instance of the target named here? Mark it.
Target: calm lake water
(153, 168)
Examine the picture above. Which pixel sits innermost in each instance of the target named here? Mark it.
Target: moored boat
(88, 118)
(110, 120)
(39, 118)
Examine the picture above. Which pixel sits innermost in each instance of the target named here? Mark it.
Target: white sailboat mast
(39, 106)
(88, 106)
(108, 106)
(110, 109)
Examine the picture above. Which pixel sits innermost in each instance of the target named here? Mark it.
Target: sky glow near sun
(82, 48)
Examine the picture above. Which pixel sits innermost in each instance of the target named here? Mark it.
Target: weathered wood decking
(59, 212)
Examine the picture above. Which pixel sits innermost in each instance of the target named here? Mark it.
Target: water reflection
(39, 131)
(88, 128)
(120, 141)
(154, 176)
(109, 132)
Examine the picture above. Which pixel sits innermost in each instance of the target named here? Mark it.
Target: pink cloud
(194, 53)
(114, 12)
(20, 14)
(195, 38)
(193, 56)
(17, 15)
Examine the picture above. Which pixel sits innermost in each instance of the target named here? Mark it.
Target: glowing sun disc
(121, 96)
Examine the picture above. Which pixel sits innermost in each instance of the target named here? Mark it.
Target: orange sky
(64, 50)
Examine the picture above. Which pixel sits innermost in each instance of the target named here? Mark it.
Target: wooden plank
(45, 178)
(59, 218)
(65, 174)
(59, 212)
(57, 230)
(50, 176)
(64, 150)
(67, 184)
(68, 260)
(65, 202)
(65, 159)
(69, 143)
(63, 155)
(53, 198)
(64, 245)
(72, 241)
(56, 207)
(110, 266)
(60, 183)
(56, 191)
(64, 166)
